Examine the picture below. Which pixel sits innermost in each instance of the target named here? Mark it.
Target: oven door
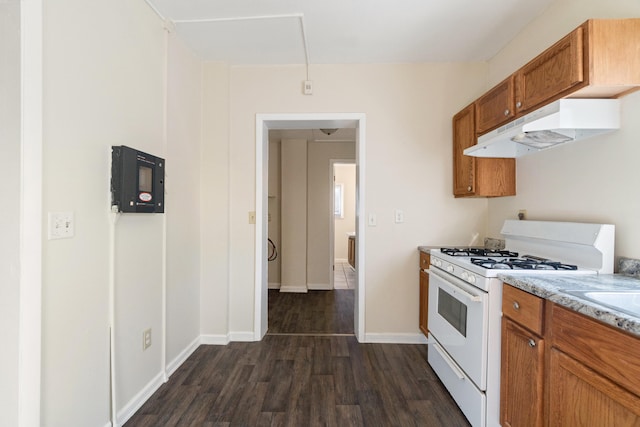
(458, 320)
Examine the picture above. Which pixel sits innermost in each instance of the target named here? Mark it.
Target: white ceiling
(347, 31)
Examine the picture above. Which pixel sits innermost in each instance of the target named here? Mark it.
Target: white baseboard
(242, 336)
(319, 286)
(184, 355)
(214, 339)
(340, 261)
(274, 285)
(294, 288)
(340, 285)
(399, 338)
(139, 399)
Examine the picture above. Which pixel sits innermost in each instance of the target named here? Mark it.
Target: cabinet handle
(518, 104)
(532, 343)
(506, 112)
(469, 188)
(516, 306)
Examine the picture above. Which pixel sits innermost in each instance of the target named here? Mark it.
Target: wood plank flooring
(319, 312)
(301, 375)
(302, 381)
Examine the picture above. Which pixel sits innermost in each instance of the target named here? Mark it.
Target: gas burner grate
(478, 252)
(521, 264)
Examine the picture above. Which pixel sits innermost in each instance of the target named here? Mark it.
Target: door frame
(332, 230)
(264, 123)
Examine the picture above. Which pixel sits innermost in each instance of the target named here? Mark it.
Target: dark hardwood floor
(308, 371)
(316, 312)
(302, 381)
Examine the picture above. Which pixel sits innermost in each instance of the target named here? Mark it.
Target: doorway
(265, 123)
(343, 224)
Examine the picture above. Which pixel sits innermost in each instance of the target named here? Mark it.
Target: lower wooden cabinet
(577, 372)
(579, 396)
(522, 376)
(424, 292)
(522, 359)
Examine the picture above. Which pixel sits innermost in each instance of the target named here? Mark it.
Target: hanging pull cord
(273, 252)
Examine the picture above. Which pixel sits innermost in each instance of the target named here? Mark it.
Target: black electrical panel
(137, 181)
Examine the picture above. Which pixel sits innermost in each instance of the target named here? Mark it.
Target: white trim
(182, 357)
(341, 286)
(214, 339)
(264, 122)
(341, 261)
(294, 289)
(397, 338)
(274, 285)
(139, 399)
(247, 336)
(359, 307)
(31, 136)
(319, 286)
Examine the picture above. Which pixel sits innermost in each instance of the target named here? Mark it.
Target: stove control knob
(465, 275)
(436, 262)
(471, 279)
(450, 268)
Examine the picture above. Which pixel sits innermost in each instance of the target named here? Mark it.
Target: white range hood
(562, 121)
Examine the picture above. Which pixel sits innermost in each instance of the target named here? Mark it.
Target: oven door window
(453, 311)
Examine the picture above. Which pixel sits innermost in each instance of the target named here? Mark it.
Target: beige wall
(293, 214)
(102, 88)
(345, 174)
(594, 180)
(274, 211)
(215, 174)
(408, 166)
(10, 224)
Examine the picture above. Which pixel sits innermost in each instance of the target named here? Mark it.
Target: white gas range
(465, 297)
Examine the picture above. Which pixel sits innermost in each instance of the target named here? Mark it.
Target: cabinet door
(553, 74)
(464, 167)
(496, 106)
(578, 396)
(424, 301)
(521, 379)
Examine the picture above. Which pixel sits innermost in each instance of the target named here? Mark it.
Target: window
(338, 200)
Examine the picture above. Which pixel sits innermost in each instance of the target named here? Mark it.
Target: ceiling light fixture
(328, 131)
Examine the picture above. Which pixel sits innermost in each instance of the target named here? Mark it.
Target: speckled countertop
(553, 289)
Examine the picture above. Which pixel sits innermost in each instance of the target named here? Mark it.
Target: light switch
(373, 221)
(61, 225)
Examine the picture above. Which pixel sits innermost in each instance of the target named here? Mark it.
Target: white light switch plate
(61, 225)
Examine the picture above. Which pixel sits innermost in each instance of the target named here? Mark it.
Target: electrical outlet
(307, 87)
(146, 339)
(522, 214)
(399, 216)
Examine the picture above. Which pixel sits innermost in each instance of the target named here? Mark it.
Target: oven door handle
(448, 361)
(458, 286)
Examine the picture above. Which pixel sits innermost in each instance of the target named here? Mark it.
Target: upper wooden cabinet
(496, 106)
(474, 176)
(558, 70)
(599, 59)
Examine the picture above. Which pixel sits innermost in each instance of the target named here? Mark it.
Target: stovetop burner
(478, 252)
(524, 263)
